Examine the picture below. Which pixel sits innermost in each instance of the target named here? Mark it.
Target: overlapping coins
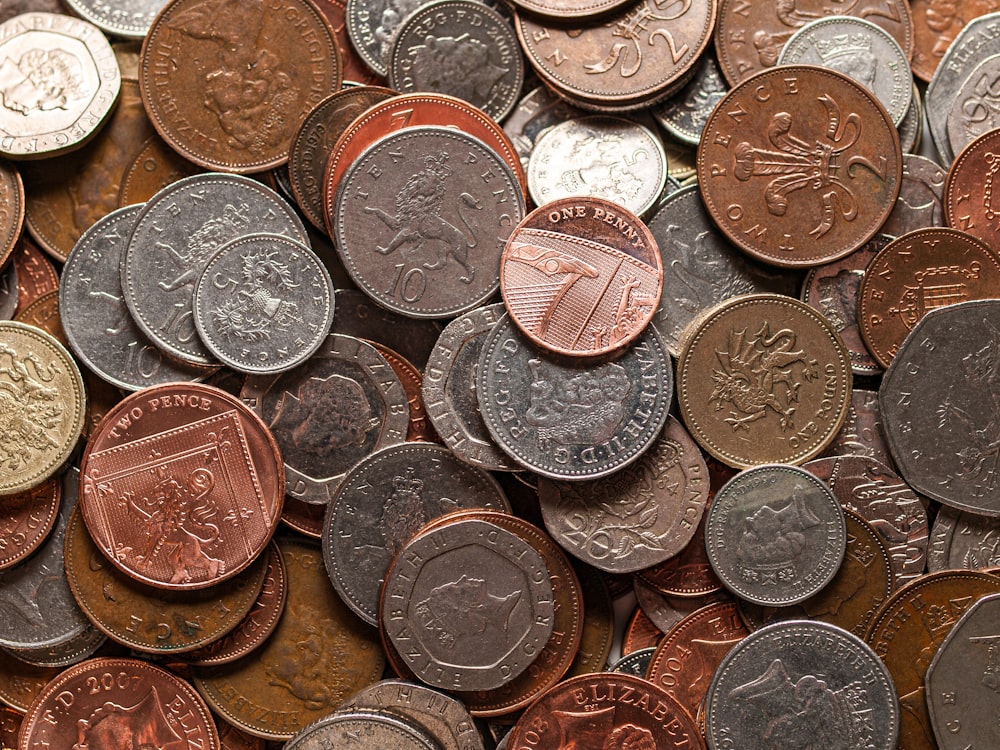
(339, 346)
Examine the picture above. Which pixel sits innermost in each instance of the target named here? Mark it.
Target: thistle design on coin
(258, 306)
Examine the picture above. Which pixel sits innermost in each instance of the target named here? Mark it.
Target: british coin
(921, 271)
(666, 611)
(780, 666)
(35, 274)
(43, 406)
(634, 664)
(963, 541)
(968, 189)
(935, 27)
(355, 69)
(125, 18)
(370, 26)
(97, 323)
(919, 204)
(539, 110)
(862, 433)
(17, 7)
(685, 575)
(462, 48)
(569, 10)
(790, 218)
(12, 209)
(174, 237)
(911, 129)
(26, 520)
(601, 157)
(382, 501)
(961, 678)
(971, 112)
(341, 405)
(281, 58)
(568, 420)
(63, 81)
(419, 428)
(640, 633)
(598, 635)
(449, 390)
(604, 710)
(82, 646)
(581, 276)
(318, 656)
(263, 303)
(345, 726)
(95, 700)
(357, 315)
(449, 584)
(10, 724)
(305, 518)
(743, 415)
(933, 399)
(701, 268)
(234, 739)
(834, 288)
(8, 291)
(21, 682)
(43, 314)
(775, 535)
(684, 114)
(637, 517)
(182, 486)
(449, 270)
(860, 49)
(155, 166)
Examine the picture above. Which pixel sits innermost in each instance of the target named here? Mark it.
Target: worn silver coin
(802, 684)
(369, 729)
(8, 291)
(635, 663)
(340, 405)
(97, 323)
(775, 534)
(572, 419)
(535, 113)
(963, 541)
(975, 108)
(72, 651)
(685, 113)
(263, 303)
(125, 18)
(383, 500)
(919, 203)
(175, 235)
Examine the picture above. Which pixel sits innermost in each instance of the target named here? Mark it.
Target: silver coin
(963, 679)
(701, 268)
(775, 534)
(802, 684)
(919, 203)
(637, 517)
(467, 605)
(939, 399)
(537, 111)
(859, 49)
(685, 113)
(421, 220)
(666, 611)
(370, 24)
(461, 48)
(449, 390)
(384, 500)
(340, 405)
(445, 718)
(8, 292)
(911, 129)
(175, 234)
(369, 729)
(975, 108)
(62, 655)
(37, 609)
(604, 157)
(127, 18)
(571, 419)
(963, 541)
(263, 303)
(97, 323)
(635, 663)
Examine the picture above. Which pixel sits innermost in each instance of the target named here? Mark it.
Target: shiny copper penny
(153, 168)
(35, 273)
(920, 271)
(181, 485)
(107, 703)
(799, 165)
(260, 68)
(969, 203)
(640, 633)
(581, 276)
(606, 710)
(26, 520)
(763, 378)
(935, 26)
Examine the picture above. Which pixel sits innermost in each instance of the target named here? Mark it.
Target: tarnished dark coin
(666, 611)
(598, 636)
(379, 729)
(355, 69)
(567, 419)
(937, 402)
(382, 501)
(21, 682)
(799, 166)
(422, 233)
(341, 405)
(357, 315)
(815, 680)
(153, 168)
(10, 724)
(43, 314)
(26, 520)
(35, 273)
(568, 10)
(8, 291)
(451, 584)
(963, 541)
(82, 646)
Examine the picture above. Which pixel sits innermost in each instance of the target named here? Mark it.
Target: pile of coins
(464, 374)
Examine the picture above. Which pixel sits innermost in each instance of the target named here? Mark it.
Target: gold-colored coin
(763, 378)
(42, 406)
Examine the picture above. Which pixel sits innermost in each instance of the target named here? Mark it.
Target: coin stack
(463, 375)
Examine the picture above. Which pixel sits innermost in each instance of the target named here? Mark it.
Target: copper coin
(355, 70)
(606, 710)
(907, 631)
(581, 276)
(10, 724)
(862, 433)
(410, 110)
(260, 68)
(182, 485)
(779, 386)
(569, 10)
(640, 633)
(26, 520)
(750, 35)
(799, 165)
(109, 702)
(305, 518)
(968, 189)
(43, 313)
(154, 167)
(666, 611)
(11, 210)
(920, 271)
(935, 26)
(20, 682)
(35, 273)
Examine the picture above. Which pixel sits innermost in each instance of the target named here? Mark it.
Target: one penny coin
(182, 485)
(799, 165)
(969, 187)
(26, 520)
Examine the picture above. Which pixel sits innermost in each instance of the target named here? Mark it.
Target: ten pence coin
(763, 379)
(261, 68)
(181, 485)
(799, 165)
